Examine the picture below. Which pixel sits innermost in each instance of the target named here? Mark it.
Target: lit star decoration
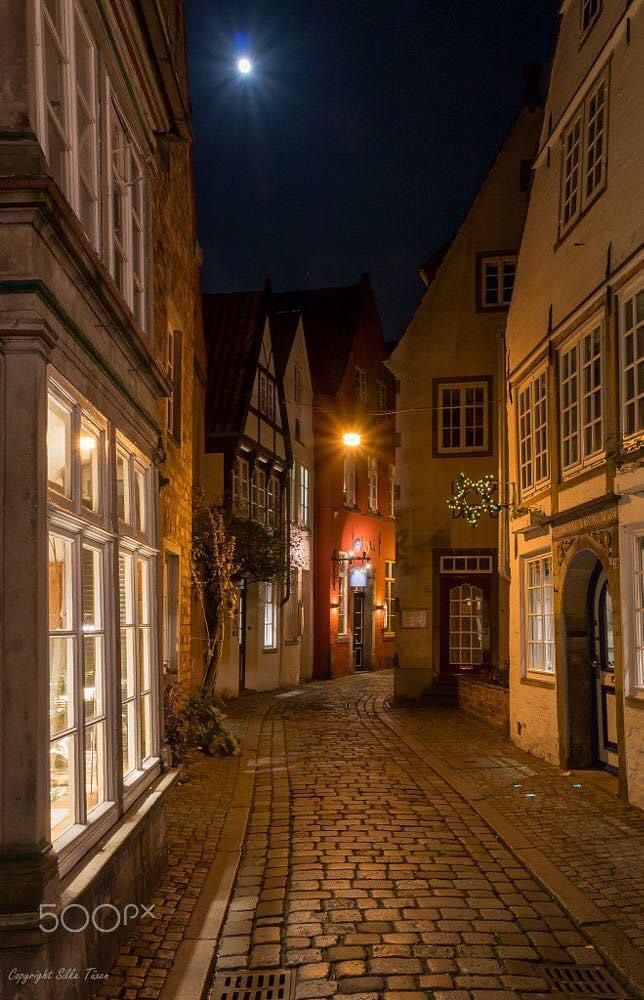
(461, 507)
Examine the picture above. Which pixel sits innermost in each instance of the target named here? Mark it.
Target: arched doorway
(587, 623)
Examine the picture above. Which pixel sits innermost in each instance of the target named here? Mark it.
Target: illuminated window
(59, 437)
(136, 603)
(539, 617)
(390, 610)
(304, 495)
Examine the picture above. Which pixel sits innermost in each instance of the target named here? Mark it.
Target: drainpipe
(288, 545)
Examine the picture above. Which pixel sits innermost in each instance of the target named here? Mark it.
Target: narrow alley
(389, 852)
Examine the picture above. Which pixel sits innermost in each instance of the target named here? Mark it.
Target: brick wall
(487, 702)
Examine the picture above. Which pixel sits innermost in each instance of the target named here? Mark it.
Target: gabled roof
(284, 323)
(331, 317)
(233, 329)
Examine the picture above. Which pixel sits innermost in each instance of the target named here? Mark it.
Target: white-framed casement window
(463, 417)
(241, 487)
(272, 503)
(360, 384)
(539, 615)
(77, 656)
(372, 483)
(390, 607)
(270, 616)
(67, 85)
(349, 488)
(632, 362)
(266, 396)
(636, 680)
(343, 595)
(127, 224)
(534, 467)
(298, 399)
(382, 397)
(293, 491)
(584, 149)
(391, 496)
(304, 495)
(258, 496)
(581, 399)
(590, 11)
(86, 613)
(174, 363)
(295, 605)
(497, 281)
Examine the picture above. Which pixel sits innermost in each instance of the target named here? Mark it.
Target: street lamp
(351, 439)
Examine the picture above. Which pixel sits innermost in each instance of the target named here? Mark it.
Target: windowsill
(136, 782)
(592, 465)
(268, 650)
(541, 490)
(636, 699)
(538, 678)
(75, 842)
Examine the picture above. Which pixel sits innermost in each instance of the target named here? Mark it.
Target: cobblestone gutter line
(599, 923)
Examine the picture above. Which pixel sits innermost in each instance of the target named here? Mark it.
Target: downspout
(287, 595)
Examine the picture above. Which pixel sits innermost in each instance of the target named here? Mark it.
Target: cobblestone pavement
(196, 811)
(371, 877)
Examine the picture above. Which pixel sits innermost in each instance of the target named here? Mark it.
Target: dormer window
(266, 396)
(590, 11)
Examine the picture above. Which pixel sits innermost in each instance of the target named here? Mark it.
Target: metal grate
(582, 981)
(273, 984)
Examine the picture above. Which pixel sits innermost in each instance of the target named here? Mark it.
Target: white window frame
(293, 488)
(542, 616)
(579, 140)
(499, 263)
(372, 483)
(349, 488)
(360, 384)
(533, 428)
(629, 294)
(303, 511)
(390, 606)
(101, 530)
(124, 246)
(270, 616)
(573, 410)
(258, 496)
(463, 406)
(272, 502)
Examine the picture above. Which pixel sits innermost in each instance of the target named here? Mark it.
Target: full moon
(244, 65)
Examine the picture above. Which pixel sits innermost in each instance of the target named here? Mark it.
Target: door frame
(493, 601)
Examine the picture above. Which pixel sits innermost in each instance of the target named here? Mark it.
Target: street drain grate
(274, 984)
(582, 981)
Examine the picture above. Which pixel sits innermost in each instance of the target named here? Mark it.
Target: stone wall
(484, 701)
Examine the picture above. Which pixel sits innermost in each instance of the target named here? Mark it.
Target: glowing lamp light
(244, 65)
(351, 439)
(87, 443)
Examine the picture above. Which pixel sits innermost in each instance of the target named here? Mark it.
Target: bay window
(632, 362)
(91, 617)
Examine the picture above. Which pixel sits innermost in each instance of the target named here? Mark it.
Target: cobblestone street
(369, 874)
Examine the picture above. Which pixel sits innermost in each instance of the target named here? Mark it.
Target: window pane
(89, 458)
(123, 487)
(59, 446)
(60, 584)
(128, 735)
(144, 659)
(126, 602)
(140, 501)
(61, 785)
(146, 726)
(94, 765)
(61, 683)
(93, 675)
(91, 565)
(143, 591)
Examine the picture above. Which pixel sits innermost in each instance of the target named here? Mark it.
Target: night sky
(359, 140)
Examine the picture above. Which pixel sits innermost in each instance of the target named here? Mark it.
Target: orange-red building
(353, 392)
